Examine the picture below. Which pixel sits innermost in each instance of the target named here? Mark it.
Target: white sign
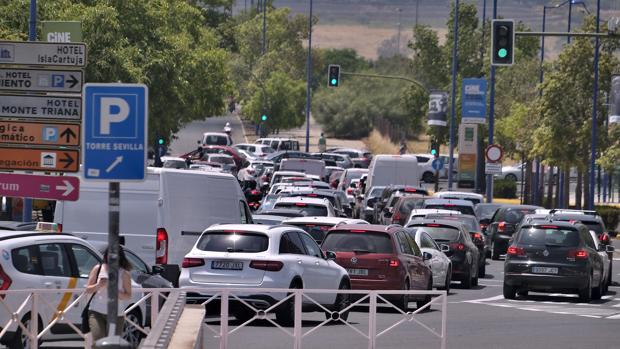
(40, 80)
(468, 139)
(493, 168)
(41, 107)
(494, 153)
(43, 53)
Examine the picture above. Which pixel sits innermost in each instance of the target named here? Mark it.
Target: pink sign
(40, 187)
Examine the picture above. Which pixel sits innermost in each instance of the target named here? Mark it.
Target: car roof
(458, 193)
(576, 217)
(215, 134)
(563, 224)
(389, 229)
(424, 222)
(290, 173)
(302, 199)
(526, 207)
(269, 230)
(449, 201)
(433, 210)
(16, 225)
(324, 220)
(6, 235)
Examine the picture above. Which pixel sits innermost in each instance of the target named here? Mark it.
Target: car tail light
(300, 204)
(267, 265)
(410, 190)
(501, 227)
(549, 226)
(604, 237)
(312, 195)
(477, 236)
(193, 262)
(457, 246)
(358, 231)
(396, 216)
(516, 251)
(483, 226)
(60, 227)
(577, 254)
(254, 192)
(433, 225)
(350, 191)
(161, 247)
(250, 171)
(264, 178)
(5, 281)
(394, 263)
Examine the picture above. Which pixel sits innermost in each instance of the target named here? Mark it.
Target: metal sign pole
(113, 221)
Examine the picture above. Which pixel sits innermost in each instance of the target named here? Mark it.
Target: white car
(317, 227)
(260, 256)
(173, 162)
(257, 150)
(310, 206)
(216, 138)
(440, 264)
(460, 195)
(421, 213)
(49, 260)
(604, 252)
(279, 175)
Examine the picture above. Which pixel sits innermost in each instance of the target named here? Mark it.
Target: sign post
(115, 149)
(494, 154)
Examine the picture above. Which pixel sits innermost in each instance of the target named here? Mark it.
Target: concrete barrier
(161, 331)
(189, 330)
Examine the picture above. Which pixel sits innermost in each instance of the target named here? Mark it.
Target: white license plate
(226, 265)
(544, 270)
(358, 272)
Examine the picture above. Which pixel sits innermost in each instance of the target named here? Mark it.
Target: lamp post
(308, 80)
(594, 107)
(489, 179)
(453, 106)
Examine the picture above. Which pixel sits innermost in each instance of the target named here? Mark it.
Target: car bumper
(544, 282)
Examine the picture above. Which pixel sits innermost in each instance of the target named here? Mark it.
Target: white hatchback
(440, 264)
(259, 256)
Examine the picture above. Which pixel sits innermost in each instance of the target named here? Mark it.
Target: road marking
(487, 285)
(485, 299)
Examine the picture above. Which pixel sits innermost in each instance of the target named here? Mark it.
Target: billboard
(438, 109)
(474, 101)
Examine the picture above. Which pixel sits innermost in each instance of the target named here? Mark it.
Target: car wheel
(467, 279)
(403, 303)
(511, 177)
(343, 300)
(597, 292)
(285, 313)
(428, 177)
(428, 298)
(130, 333)
(585, 294)
(494, 252)
(446, 286)
(20, 339)
(482, 270)
(509, 292)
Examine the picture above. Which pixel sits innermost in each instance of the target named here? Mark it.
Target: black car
(382, 201)
(503, 225)
(553, 256)
(463, 253)
(485, 212)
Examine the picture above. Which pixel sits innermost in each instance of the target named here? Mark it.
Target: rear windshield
(410, 205)
(472, 200)
(267, 150)
(441, 234)
(463, 209)
(595, 226)
(354, 175)
(469, 222)
(485, 211)
(216, 140)
(233, 242)
(515, 215)
(345, 241)
(549, 237)
(175, 164)
(309, 210)
(317, 231)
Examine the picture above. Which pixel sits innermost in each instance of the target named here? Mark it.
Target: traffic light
(263, 118)
(160, 150)
(333, 75)
(502, 42)
(435, 149)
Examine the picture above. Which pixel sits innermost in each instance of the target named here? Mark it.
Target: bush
(610, 215)
(505, 189)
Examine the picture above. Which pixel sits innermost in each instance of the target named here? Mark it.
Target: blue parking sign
(115, 131)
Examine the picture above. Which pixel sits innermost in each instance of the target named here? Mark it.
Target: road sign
(437, 164)
(40, 187)
(42, 107)
(39, 159)
(40, 80)
(39, 133)
(493, 168)
(43, 53)
(494, 153)
(61, 31)
(115, 131)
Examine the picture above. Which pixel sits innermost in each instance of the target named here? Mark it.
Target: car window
(136, 263)
(54, 260)
(463, 209)
(26, 260)
(233, 242)
(309, 210)
(442, 234)
(514, 216)
(549, 236)
(243, 212)
(404, 244)
(350, 241)
(291, 243)
(85, 259)
(426, 241)
(414, 246)
(587, 238)
(311, 246)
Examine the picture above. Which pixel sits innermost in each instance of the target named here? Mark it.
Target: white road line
(613, 317)
(591, 316)
(484, 299)
(487, 285)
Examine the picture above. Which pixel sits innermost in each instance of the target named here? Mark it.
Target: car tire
(131, 334)
(482, 270)
(511, 177)
(446, 286)
(285, 313)
(21, 341)
(428, 177)
(343, 300)
(428, 298)
(403, 302)
(467, 279)
(494, 252)
(585, 294)
(509, 292)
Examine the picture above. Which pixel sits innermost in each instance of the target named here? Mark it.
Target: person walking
(322, 143)
(98, 285)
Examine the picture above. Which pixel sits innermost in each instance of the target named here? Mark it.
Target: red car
(380, 258)
(199, 154)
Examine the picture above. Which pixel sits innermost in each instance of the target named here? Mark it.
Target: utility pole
(264, 27)
(309, 79)
(417, 8)
(489, 192)
(32, 36)
(590, 203)
(453, 106)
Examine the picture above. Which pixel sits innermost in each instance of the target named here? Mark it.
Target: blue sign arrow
(437, 164)
(115, 131)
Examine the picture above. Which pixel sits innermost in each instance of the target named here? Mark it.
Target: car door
(595, 258)
(412, 264)
(438, 262)
(324, 275)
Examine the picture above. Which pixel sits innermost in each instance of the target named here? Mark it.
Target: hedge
(610, 215)
(505, 189)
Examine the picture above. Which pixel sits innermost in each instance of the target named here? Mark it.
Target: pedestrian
(403, 147)
(98, 285)
(322, 143)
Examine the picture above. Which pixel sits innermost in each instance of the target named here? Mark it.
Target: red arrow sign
(40, 187)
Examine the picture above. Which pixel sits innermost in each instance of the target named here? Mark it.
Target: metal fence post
(297, 330)
(34, 322)
(224, 319)
(444, 320)
(154, 307)
(372, 321)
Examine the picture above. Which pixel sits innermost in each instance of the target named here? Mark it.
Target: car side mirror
(426, 256)
(609, 249)
(330, 255)
(157, 270)
(445, 248)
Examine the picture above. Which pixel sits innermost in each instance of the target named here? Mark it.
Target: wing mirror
(445, 248)
(426, 256)
(157, 270)
(330, 255)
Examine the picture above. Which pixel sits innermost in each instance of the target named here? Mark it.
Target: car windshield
(441, 233)
(216, 140)
(349, 241)
(555, 236)
(463, 209)
(515, 215)
(317, 231)
(374, 192)
(354, 175)
(308, 209)
(233, 242)
(486, 211)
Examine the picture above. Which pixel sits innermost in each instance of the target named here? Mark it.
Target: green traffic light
(502, 53)
(160, 141)
(433, 151)
(263, 118)
(334, 81)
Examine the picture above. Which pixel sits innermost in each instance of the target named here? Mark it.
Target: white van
(307, 166)
(161, 217)
(387, 170)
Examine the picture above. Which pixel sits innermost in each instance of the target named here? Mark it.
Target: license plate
(226, 265)
(358, 272)
(544, 270)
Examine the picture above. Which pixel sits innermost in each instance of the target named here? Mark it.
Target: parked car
(553, 256)
(280, 144)
(462, 251)
(427, 173)
(440, 264)
(317, 227)
(342, 160)
(381, 258)
(503, 225)
(259, 256)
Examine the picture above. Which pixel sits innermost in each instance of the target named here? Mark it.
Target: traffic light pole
(308, 80)
(453, 104)
(489, 179)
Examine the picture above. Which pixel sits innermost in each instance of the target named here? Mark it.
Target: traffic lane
(187, 138)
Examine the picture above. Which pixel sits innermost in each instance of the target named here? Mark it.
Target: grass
(378, 144)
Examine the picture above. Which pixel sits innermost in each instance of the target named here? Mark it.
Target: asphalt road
(188, 137)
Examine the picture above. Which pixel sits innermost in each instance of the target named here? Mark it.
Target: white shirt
(100, 299)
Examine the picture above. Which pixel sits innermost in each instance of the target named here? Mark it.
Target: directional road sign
(43, 53)
(39, 159)
(40, 80)
(41, 107)
(40, 187)
(39, 133)
(115, 131)
(437, 164)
